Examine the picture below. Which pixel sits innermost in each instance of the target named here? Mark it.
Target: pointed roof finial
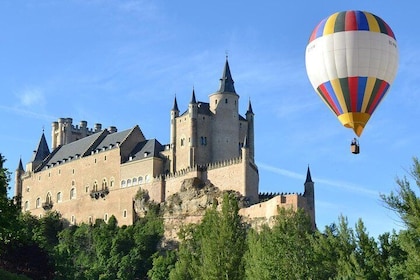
(175, 107)
(226, 82)
(250, 106)
(308, 176)
(20, 166)
(193, 100)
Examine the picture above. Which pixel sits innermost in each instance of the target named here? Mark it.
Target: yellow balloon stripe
(329, 25)
(339, 94)
(373, 23)
(368, 93)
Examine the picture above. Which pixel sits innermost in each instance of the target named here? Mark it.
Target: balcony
(99, 193)
(48, 205)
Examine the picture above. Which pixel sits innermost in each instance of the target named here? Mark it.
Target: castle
(94, 173)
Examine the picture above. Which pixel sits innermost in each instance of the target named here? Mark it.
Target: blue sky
(121, 62)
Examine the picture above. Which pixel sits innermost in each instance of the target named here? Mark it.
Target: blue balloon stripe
(331, 92)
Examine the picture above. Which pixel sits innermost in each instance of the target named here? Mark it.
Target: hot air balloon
(351, 61)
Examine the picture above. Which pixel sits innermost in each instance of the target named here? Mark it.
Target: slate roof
(145, 149)
(105, 139)
(74, 149)
(42, 151)
(226, 82)
(203, 109)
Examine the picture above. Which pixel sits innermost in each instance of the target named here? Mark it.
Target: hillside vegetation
(219, 246)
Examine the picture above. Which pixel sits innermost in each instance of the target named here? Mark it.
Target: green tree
(406, 204)
(283, 251)
(9, 211)
(163, 263)
(214, 249)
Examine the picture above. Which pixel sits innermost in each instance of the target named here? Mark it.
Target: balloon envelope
(351, 61)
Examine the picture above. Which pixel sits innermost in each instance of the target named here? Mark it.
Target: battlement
(64, 132)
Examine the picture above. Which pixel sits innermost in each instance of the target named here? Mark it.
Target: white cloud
(32, 97)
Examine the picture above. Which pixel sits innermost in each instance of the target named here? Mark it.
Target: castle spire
(250, 107)
(193, 100)
(226, 82)
(20, 166)
(175, 107)
(308, 176)
(42, 150)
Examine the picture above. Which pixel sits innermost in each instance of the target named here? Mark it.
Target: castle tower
(193, 114)
(224, 106)
(173, 136)
(18, 180)
(250, 133)
(309, 194)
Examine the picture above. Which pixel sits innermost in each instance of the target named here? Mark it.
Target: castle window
(72, 182)
(203, 140)
(104, 157)
(59, 171)
(90, 219)
(73, 171)
(95, 186)
(38, 202)
(140, 180)
(147, 178)
(95, 160)
(182, 142)
(27, 189)
(104, 184)
(106, 217)
(128, 182)
(73, 193)
(111, 183)
(226, 100)
(59, 197)
(215, 101)
(48, 198)
(26, 205)
(134, 181)
(123, 183)
(125, 214)
(73, 219)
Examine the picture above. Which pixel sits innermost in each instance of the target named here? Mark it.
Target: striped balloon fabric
(351, 61)
(351, 21)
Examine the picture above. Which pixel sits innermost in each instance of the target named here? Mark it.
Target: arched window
(111, 182)
(26, 205)
(134, 181)
(147, 178)
(123, 184)
(59, 197)
(48, 198)
(140, 180)
(38, 202)
(73, 193)
(128, 182)
(95, 186)
(104, 184)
